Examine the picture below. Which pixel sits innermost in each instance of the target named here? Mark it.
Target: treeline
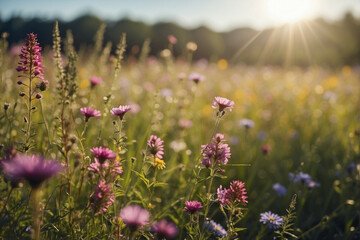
(313, 42)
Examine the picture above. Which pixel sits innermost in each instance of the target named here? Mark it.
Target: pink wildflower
(102, 198)
(89, 112)
(222, 103)
(120, 111)
(216, 152)
(192, 206)
(156, 146)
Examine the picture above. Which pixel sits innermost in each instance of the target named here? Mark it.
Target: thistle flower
(102, 154)
(32, 168)
(156, 146)
(120, 111)
(192, 206)
(196, 77)
(216, 152)
(159, 163)
(30, 58)
(102, 198)
(247, 123)
(273, 220)
(216, 229)
(89, 112)
(279, 189)
(95, 81)
(222, 103)
(134, 217)
(235, 194)
(164, 229)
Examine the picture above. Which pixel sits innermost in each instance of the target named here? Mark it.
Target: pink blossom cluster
(236, 193)
(216, 152)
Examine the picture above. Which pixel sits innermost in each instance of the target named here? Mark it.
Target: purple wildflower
(156, 146)
(97, 167)
(95, 80)
(216, 152)
(216, 229)
(89, 112)
(185, 123)
(120, 111)
(32, 168)
(300, 177)
(196, 77)
(236, 193)
(134, 216)
(312, 184)
(273, 220)
(192, 206)
(30, 58)
(102, 154)
(102, 198)
(222, 103)
(279, 189)
(247, 123)
(164, 229)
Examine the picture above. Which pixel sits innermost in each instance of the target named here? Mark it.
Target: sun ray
(246, 45)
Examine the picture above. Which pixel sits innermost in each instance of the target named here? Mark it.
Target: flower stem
(7, 199)
(36, 212)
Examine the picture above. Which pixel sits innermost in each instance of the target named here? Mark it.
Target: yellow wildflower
(150, 206)
(159, 163)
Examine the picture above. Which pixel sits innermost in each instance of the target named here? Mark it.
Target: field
(297, 127)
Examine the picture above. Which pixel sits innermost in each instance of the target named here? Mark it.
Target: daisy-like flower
(120, 111)
(196, 77)
(164, 229)
(279, 189)
(95, 80)
(216, 152)
(134, 216)
(273, 220)
(32, 168)
(102, 198)
(216, 229)
(102, 154)
(235, 194)
(246, 123)
(222, 103)
(156, 146)
(159, 163)
(192, 206)
(89, 112)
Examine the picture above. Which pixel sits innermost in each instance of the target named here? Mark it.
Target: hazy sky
(218, 14)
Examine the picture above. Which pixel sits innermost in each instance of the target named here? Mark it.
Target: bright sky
(219, 15)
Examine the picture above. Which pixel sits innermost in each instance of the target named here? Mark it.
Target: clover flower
(103, 154)
(164, 229)
(32, 168)
(236, 193)
(273, 220)
(89, 112)
(222, 103)
(279, 189)
(120, 111)
(216, 229)
(216, 152)
(192, 206)
(134, 216)
(102, 198)
(156, 146)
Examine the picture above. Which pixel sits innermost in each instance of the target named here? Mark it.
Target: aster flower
(196, 77)
(279, 189)
(98, 168)
(103, 153)
(134, 216)
(95, 80)
(216, 229)
(222, 103)
(102, 198)
(89, 112)
(192, 206)
(273, 220)
(30, 58)
(120, 111)
(32, 168)
(156, 146)
(216, 152)
(300, 177)
(164, 229)
(247, 123)
(235, 194)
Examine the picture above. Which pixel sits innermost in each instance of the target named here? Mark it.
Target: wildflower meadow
(98, 144)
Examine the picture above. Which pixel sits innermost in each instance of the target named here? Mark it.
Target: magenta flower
(235, 194)
(265, 149)
(134, 216)
(102, 154)
(30, 58)
(97, 167)
(216, 152)
(172, 39)
(120, 111)
(102, 198)
(32, 168)
(222, 103)
(89, 112)
(164, 229)
(192, 206)
(196, 77)
(156, 146)
(95, 80)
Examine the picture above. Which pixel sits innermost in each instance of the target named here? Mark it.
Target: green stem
(208, 195)
(45, 123)
(36, 212)
(7, 199)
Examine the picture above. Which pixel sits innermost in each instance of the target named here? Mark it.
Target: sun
(290, 11)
